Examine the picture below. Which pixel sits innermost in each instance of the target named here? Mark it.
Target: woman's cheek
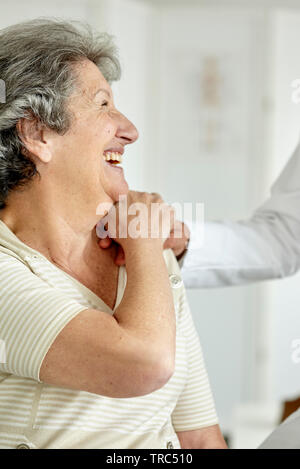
(109, 129)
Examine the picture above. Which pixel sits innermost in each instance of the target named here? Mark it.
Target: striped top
(37, 300)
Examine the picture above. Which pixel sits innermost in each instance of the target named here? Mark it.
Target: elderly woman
(97, 356)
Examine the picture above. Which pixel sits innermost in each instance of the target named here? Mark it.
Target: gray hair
(36, 59)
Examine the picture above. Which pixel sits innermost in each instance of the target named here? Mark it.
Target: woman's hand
(173, 233)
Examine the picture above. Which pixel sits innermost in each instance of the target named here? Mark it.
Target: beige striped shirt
(37, 300)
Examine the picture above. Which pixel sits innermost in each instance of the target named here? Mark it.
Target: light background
(225, 156)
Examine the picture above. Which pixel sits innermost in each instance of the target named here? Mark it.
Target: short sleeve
(32, 314)
(195, 407)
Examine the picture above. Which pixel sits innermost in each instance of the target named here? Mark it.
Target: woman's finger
(105, 243)
(120, 257)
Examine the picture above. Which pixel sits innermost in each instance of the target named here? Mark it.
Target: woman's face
(98, 132)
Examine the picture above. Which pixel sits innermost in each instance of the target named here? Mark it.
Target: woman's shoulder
(9, 257)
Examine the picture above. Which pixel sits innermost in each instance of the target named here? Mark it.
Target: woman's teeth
(113, 157)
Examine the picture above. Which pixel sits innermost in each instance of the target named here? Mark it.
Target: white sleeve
(264, 247)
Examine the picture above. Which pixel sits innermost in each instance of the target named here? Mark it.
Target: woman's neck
(70, 242)
(61, 236)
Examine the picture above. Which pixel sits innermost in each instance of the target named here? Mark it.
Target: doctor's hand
(178, 239)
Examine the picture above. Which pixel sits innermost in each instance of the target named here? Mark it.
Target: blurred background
(208, 84)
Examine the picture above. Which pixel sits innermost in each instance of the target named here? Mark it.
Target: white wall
(16, 11)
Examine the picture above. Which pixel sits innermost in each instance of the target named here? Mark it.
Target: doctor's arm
(267, 246)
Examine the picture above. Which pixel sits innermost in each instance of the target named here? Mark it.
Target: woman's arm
(131, 353)
(128, 354)
(204, 438)
(54, 338)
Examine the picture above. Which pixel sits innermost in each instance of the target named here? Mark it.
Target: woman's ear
(32, 134)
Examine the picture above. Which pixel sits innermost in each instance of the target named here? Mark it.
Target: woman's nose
(126, 130)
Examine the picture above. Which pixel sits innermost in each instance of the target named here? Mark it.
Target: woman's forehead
(91, 80)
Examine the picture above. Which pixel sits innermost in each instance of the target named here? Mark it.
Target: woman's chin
(115, 181)
(115, 184)
(119, 191)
